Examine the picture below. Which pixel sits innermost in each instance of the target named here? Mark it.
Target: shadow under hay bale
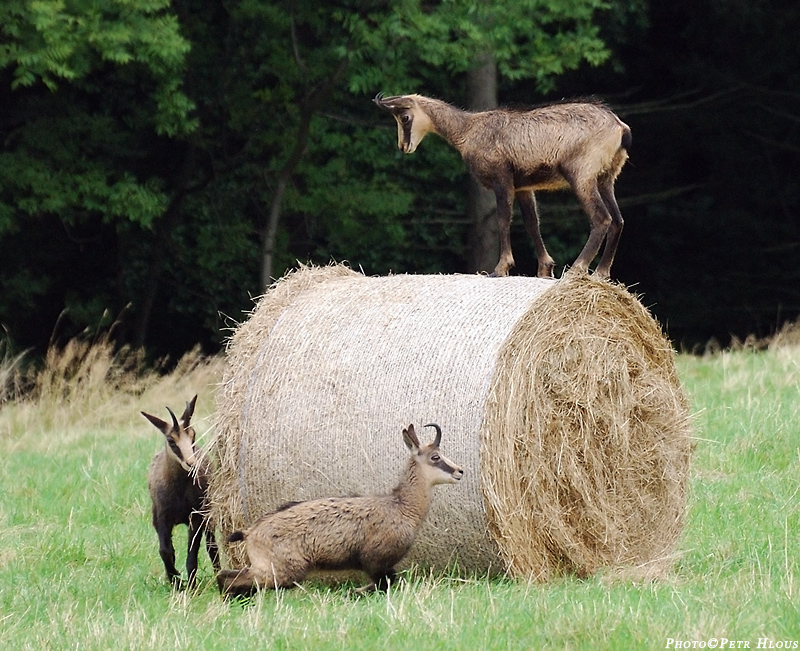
(558, 398)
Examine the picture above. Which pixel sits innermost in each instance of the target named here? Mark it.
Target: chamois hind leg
(211, 546)
(237, 583)
(193, 550)
(248, 580)
(380, 582)
(606, 188)
(600, 218)
(384, 579)
(505, 204)
(530, 216)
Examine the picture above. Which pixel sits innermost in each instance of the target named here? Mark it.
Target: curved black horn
(438, 438)
(174, 420)
(378, 98)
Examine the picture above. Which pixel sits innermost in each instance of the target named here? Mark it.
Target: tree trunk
(309, 106)
(484, 241)
(273, 218)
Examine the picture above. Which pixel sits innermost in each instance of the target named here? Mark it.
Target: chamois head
(413, 124)
(435, 468)
(180, 435)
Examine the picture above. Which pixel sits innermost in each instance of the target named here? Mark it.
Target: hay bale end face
(558, 398)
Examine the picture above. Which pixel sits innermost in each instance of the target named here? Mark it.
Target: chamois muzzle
(185, 452)
(443, 463)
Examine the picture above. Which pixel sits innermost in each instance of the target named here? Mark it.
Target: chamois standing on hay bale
(178, 480)
(582, 145)
(371, 534)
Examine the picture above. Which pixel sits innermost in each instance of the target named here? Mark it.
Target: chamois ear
(411, 440)
(188, 412)
(160, 424)
(392, 104)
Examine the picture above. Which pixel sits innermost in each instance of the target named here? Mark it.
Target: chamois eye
(435, 458)
(405, 118)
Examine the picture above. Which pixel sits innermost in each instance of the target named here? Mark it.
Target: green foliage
(52, 40)
(102, 143)
(144, 143)
(69, 150)
(530, 39)
(87, 90)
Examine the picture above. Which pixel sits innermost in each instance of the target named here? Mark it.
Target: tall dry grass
(10, 373)
(91, 384)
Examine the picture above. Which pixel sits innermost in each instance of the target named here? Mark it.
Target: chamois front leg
(505, 205)
(527, 205)
(167, 553)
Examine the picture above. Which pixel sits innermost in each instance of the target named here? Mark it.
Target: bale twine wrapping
(558, 398)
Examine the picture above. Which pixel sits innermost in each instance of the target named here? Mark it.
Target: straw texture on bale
(558, 398)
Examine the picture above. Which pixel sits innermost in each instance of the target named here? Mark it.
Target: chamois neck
(413, 494)
(448, 121)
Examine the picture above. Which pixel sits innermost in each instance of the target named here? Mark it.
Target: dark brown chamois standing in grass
(371, 534)
(178, 480)
(578, 145)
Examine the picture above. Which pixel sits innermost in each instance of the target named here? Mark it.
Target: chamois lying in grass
(371, 534)
(178, 479)
(582, 145)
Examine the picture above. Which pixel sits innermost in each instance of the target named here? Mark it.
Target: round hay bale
(558, 398)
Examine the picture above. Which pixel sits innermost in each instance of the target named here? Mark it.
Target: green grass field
(79, 564)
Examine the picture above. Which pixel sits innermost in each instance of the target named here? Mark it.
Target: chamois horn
(390, 103)
(189, 411)
(174, 420)
(438, 438)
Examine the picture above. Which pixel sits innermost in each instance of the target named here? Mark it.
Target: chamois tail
(627, 138)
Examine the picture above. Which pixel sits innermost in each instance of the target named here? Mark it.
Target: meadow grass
(79, 564)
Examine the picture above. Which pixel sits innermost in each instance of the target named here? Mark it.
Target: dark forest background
(161, 161)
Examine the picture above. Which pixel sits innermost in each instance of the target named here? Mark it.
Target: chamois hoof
(546, 270)
(365, 589)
